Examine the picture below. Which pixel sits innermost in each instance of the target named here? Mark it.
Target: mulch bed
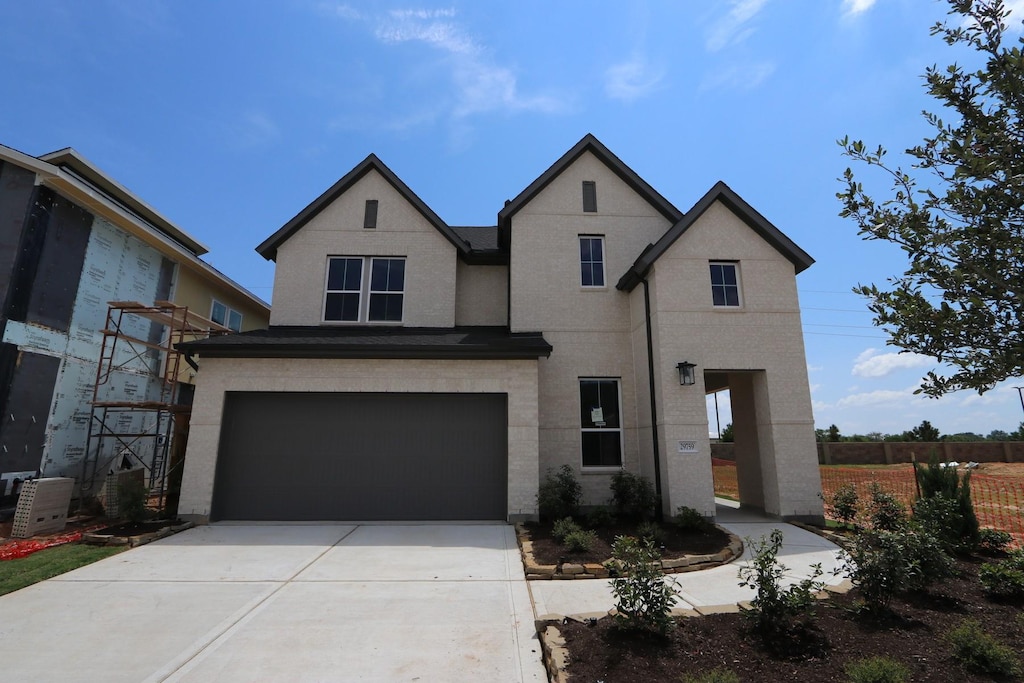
(913, 636)
(129, 529)
(677, 543)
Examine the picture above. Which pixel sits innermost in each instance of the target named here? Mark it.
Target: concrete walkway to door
(284, 602)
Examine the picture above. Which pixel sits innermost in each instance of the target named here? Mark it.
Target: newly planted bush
(946, 482)
(940, 517)
(716, 675)
(886, 513)
(980, 652)
(650, 531)
(876, 670)
(688, 519)
(633, 496)
(1004, 579)
(993, 540)
(844, 504)
(775, 611)
(580, 540)
(559, 494)
(131, 499)
(883, 564)
(563, 528)
(600, 516)
(643, 596)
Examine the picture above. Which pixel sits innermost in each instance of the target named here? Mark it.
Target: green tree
(833, 434)
(959, 217)
(923, 432)
(728, 436)
(1017, 435)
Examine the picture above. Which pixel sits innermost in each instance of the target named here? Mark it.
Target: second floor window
(364, 289)
(725, 284)
(591, 261)
(228, 317)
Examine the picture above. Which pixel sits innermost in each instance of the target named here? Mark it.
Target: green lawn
(16, 574)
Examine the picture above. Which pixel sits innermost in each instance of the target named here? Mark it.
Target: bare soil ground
(913, 635)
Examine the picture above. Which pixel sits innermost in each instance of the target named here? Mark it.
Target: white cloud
(1013, 22)
(733, 27)
(871, 363)
(739, 77)
(255, 128)
(632, 80)
(854, 7)
(877, 397)
(815, 368)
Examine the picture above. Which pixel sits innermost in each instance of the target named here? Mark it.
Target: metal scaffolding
(137, 406)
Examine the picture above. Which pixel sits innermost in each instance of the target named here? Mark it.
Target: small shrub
(844, 504)
(883, 564)
(131, 499)
(980, 652)
(600, 517)
(563, 528)
(1004, 579)
(651, 531)
(876, 670)
(644, 596)
(993, 541)
(716, 675)
(688, 519)
(775, 610)
(940, 516)
(886, 513)
(580, 541)
(946, 482)
(633, 496)
(559, 494)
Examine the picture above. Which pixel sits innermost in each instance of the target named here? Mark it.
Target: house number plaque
(687, 446)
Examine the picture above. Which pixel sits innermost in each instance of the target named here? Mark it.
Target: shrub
(563, 528)
(993, 540)
(652, 532)
(844, 504)
(580, 541)
(775, 610)
(876, 670)
(688, 519)
(600, 517)
(980, 652)
(886, 513)
(940, 516)
(559, 494)
(633, 496)
(716, 675)
(131, 499)
(946, 482)
(1004, 579)
(883, 564)
(644, 596)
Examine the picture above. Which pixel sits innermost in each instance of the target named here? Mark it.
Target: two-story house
(72, 239)
(416, 370)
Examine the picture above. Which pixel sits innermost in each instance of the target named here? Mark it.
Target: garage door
(347, 456)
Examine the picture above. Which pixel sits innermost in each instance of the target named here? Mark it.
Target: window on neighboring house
(364, 289)
(725, 284)
(589, 196)
(599, 423)
(228, 317)
(591, 261)
(370, 214)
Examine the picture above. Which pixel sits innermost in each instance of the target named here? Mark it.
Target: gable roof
(800, 259)
(268, 249)
(591, 144)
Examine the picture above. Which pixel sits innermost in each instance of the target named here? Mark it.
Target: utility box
(43, 506)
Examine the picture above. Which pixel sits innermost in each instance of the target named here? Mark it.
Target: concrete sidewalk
(701, 589)
(279, 602)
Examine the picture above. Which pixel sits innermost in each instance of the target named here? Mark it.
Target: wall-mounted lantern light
(686, 377)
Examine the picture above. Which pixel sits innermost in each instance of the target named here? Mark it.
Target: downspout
(658, 513)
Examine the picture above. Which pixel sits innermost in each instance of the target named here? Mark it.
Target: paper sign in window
(597, 416)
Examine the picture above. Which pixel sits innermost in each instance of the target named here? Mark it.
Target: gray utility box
(43, 506)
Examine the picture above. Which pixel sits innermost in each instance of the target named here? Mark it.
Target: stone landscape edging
(94, 538)
(593, 570)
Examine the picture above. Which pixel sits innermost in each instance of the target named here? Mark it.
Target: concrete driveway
(295, 602)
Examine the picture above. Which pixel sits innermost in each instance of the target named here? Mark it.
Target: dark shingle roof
(480, 238)
(373, 342)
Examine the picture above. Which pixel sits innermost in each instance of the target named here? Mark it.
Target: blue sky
(229, 117)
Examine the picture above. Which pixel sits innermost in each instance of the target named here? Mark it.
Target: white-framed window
(600, 422)
(224, 315)
(364, 289)
(725, 284)
(591, 261)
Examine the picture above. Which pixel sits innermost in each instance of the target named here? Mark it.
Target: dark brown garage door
(344, 456)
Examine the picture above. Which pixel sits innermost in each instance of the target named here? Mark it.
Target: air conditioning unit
(42, 506)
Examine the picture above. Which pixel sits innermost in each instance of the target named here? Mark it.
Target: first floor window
(364, 289)
(226, 316)
(725, 284)
(600, 423)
